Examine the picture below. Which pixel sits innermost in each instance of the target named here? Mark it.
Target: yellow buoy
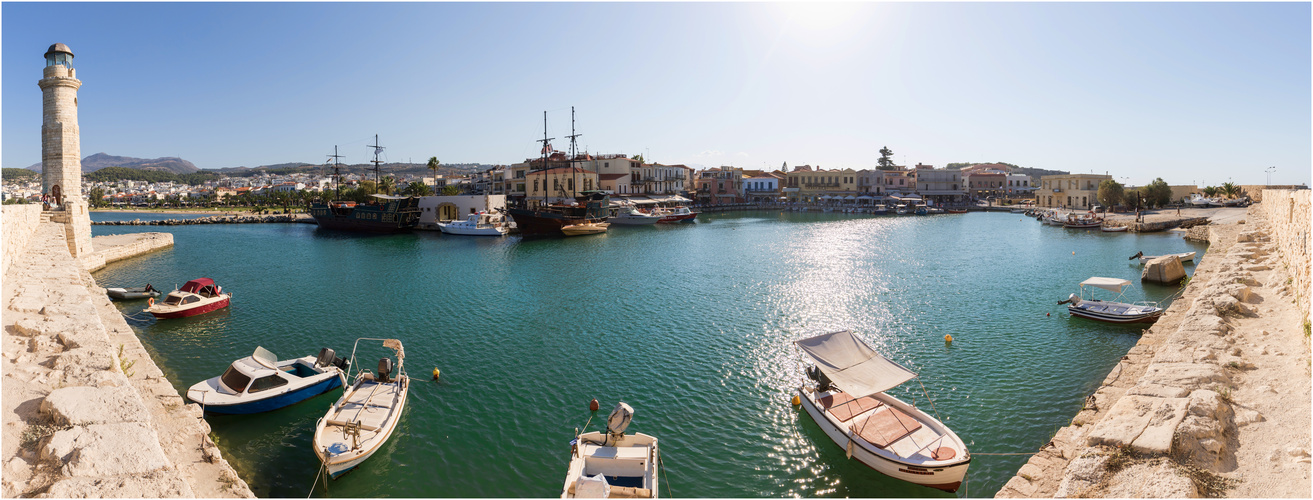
(796, 400)
(435, 373)
(948, 338)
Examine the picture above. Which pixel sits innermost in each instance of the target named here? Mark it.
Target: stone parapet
(116, 247)
(1289, 220)
(17, 224)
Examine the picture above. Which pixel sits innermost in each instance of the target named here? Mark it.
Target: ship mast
(574, 150)
(377, 150)
(337, 172)
(546, 146)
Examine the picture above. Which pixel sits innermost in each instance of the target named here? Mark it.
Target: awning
(849, 197)
(389, 197)
(853, 365)
(1114, 285)
(865, 197)
(827, 197)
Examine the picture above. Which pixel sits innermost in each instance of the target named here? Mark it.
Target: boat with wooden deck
(845, 396)
(1110, 311)
(585, 229)
(363, 419)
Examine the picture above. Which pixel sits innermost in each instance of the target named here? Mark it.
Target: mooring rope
(322, 471)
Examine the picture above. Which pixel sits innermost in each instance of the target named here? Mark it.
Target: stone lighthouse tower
(61, 152)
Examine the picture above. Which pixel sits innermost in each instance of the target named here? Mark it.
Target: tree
(1110, 193)
(433, 165)
(96, 196)
(639, 158)
(387, 185)
(450, 190)
(1157, 193)
(1210, 192)
(417, 189)
(886, 159)
(1230, 189)
(368, 187)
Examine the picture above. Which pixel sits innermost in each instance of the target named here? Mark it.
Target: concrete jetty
(86, 412)
(1214, 399)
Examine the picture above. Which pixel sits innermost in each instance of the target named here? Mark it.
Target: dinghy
(613, 464)
(1183, 257)
(141, 292)
(363, 419)
(1110, 311)
(260, 383)
(846, 397)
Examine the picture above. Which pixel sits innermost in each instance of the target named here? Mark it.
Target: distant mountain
(101, 160)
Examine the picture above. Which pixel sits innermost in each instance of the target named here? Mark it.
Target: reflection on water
(691, 324)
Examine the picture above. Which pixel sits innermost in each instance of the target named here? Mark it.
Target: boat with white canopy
(613, 464)
(363, 419)
(1110, 311)
(846, 397)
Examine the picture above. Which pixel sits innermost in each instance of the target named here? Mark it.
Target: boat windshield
(235, 380)
(173, 300)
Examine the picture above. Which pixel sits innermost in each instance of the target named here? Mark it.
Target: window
(190, 299)
(535, 185)
(266, 383)
(234, 380)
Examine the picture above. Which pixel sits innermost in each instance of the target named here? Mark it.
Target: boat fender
(796, 400)
(593, 405)
(436, 372)
(150, 302)
(948, 339)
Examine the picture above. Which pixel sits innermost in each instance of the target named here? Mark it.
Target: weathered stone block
(1190, 376)
(1150, 480)
(157, 484)
(1124, 421)
(93, 405)
(1156, 439)
(1165, 269)
(106, 450)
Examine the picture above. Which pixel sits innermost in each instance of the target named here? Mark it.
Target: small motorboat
(363, 419)
(260, 382)
(1114, 229)
(921, 209)
(901, 209)
(1088, 222)
(678, 214)
(1110, 311)
(613, 464)
(141, 292)
(197, 296)
(957, 210)
(846, 397)
(630, 216)
(585, 228)
(880, 210)
(1183, 257)
(477, 224)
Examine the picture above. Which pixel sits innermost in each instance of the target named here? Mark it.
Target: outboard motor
(325, 358)
(1072, 299)
(384, 369)
(619, 420)
(822, 382)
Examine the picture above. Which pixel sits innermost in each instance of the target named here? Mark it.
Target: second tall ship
(587, 213)
(382, 214)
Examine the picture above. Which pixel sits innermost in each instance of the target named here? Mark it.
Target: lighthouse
(61, 153)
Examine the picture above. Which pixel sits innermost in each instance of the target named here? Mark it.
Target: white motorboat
(1110, 311)
(1114, 229)
(585, 228)
(1199, 201)
(613, 464)
(630, 216)
(846, 397)
(197, 296)
(477, 224)
(1183, 257)
(260, 382)
(363, 419)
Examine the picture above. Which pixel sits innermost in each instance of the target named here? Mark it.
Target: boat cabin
(194, 291)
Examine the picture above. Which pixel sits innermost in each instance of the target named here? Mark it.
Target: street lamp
(1269, 174)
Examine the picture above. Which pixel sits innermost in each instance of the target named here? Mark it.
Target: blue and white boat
(260, 383)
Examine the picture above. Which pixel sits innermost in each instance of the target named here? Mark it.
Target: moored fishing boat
(678, 214)
(613, 464)
(1114, 229)
(197, 296)
(628, 215)
(1110, 311)
(585, 229)
(363, 419)
(260, 382)
(846, 397)
(141, 292)
(477, 224)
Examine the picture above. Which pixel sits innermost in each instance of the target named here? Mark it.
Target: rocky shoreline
(217, 219)
(1213, 401)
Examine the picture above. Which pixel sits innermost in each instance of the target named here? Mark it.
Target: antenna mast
(377, 150)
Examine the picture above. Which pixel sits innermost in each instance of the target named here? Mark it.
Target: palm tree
(433, 165)
(1230, 189)
(1210, 192)
(387, 185)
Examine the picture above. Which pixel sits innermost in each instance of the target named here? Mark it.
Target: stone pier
(86, 412)
(1214, 400)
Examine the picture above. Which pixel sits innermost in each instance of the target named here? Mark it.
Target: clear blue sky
(1206, 92)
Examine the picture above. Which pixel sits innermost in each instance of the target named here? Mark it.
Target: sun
(819, 21)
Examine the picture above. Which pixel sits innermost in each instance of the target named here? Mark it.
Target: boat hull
(1115, 318)
(330, 382)
(546, 223)
(465, 231)
(397, 216)
(946, 477)
(1115, 229)
(201, 309)
(130, 293)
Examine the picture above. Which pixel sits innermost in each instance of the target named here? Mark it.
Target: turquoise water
(690, 324)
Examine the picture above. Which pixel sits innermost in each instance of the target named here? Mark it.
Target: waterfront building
(759, 186)
(899, 181)
(515, 183)
(985, 184)
(558, 184)
(1019, 186)
(720, 186)
(1074, 191)
(434, 209)
(655, 178)
(870, 183)
(940, 186)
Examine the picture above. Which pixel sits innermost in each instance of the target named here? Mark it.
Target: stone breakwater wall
(1213, 400)
(1147, 227)
(86, 413)
(107, 251)
(218, 219)
(1289, 218)
(19, 224)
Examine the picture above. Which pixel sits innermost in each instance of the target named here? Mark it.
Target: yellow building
(558, 185)
(1074, 191)
(807, 185)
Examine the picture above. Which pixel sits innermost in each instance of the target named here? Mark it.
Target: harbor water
(690, 324)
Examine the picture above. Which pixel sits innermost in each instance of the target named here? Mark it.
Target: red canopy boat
(197, 296)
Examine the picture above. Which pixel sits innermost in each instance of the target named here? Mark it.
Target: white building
(434, 209)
